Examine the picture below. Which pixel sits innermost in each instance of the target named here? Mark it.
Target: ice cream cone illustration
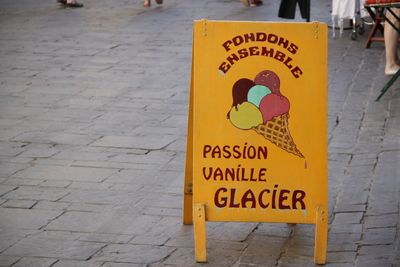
(277, 132)
(264, 109)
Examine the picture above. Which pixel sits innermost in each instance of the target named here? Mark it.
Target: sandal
(159, 2)
(146, 3)
(256, 3)
(73, 5)
(245, 2)
(252, 2)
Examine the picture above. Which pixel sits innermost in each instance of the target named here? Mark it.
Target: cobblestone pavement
(93, 116)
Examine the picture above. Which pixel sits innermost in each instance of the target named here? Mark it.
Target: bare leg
(146, 3)
(391, 37)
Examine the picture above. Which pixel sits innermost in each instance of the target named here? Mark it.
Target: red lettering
(232, 203)
(254, 51)
(224, 67)
(297, 72)
(279, 56)
(220, 202)
(298, 197)
(226, 45)
(249, 197)
(260, 198)
(282, 198)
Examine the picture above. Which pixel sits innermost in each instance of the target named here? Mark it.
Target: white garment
(345, 9)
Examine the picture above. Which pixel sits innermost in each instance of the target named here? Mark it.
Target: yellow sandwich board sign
(257, 133)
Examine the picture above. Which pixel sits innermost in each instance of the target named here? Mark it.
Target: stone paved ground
(93, 116)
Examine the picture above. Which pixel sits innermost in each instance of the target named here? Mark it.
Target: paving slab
(58, 249)
(26, 218)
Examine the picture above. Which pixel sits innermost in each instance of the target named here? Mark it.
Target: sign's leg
(188, 202)
(188, 185)
(199, 218)
(321, 236)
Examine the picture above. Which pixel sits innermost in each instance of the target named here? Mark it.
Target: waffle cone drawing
(276, 131)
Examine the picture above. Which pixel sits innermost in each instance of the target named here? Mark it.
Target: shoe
(73, 5)
(146, 3)
(256, 2)
(245, 2)
(62, 2)
(159, 2)
(252, 2)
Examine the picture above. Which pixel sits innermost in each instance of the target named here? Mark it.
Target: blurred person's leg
(391, 36)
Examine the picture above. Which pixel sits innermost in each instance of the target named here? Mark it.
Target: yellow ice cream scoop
(245, 116)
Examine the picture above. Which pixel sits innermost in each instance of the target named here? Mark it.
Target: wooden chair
(377, 26)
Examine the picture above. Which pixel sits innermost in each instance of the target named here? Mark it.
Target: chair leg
(377, 19)
(388, 84)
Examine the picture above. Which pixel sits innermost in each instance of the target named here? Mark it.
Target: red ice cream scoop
(273, 105)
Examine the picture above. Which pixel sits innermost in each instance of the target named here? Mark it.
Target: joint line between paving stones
(246, 244)
(344, 55)
(54, 263)
(359, 244)
(285, 246)
(51, 220)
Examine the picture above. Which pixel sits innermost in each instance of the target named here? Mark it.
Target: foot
(252, 2)
(256, 2)
(245, 2)
(63, 2)
(391, 70)
(146, 3)
(73, 5)
(159, 2)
